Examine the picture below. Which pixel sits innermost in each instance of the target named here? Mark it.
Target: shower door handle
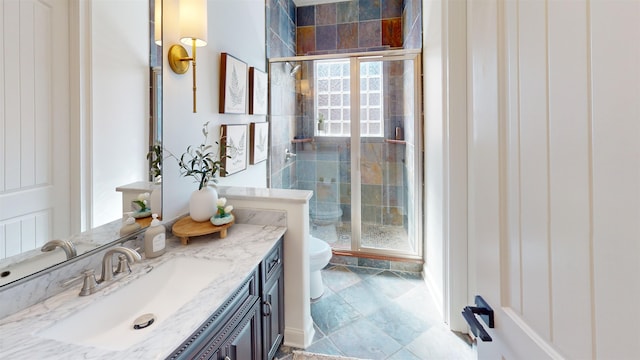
(288, 155)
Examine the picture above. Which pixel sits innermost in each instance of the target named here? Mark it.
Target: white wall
(445, 103)
(119, 99)
(434, 196)
(238, 28)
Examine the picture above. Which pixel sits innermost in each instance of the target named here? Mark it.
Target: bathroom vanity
(250, 323)
(238, 314)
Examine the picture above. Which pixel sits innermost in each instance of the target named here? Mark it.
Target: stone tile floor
(373, 235)
(380, 314)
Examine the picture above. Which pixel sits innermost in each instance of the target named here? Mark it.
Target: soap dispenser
(155, 239)
(130, 226)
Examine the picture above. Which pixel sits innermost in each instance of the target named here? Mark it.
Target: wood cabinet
(250, 323)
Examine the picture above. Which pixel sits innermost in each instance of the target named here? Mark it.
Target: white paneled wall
(559, 138)
(615, 163)
(27, 121)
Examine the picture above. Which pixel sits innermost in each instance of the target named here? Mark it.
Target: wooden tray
(186, 228)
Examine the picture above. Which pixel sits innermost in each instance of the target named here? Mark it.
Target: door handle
(486, 314)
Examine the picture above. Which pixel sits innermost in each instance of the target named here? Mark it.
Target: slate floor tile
(363, 339)
(375, 314)
(331, 313)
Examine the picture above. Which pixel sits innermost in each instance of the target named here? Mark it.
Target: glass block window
(332, 98)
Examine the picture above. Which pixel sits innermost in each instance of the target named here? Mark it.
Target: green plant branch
(199, 162)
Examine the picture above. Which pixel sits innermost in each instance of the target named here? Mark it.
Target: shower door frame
(356, 202)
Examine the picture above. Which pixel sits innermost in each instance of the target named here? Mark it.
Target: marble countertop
(244, 247)
(283, 195)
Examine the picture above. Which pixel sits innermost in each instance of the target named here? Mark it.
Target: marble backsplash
(25, 293)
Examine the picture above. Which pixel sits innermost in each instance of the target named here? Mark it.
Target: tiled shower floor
(373, 235)
(380, 314)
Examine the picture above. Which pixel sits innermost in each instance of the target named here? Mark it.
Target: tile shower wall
(282, 171)
(383, 24)
(281, 28)
(412, 24)
(384, 170)
(358, 25)
(384, 196)
(280, 22)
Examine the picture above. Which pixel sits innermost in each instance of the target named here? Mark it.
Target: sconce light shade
(193, 22)
(157, 22)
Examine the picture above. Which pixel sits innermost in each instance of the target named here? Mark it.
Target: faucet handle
(123, 265)
(90, 285)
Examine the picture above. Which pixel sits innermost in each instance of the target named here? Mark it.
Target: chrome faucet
(107, 261)
(66, 245)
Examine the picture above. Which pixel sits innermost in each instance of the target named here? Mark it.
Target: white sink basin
(108, 322)
(38, 262)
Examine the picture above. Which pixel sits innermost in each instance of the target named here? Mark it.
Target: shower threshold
(375, 236)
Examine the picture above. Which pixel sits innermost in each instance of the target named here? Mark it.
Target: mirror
(87, 112)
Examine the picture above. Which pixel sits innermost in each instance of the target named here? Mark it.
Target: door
(366, 154)
(554, 176)
(245, 343)
(386, 148)
(273, 316)
(34, 166)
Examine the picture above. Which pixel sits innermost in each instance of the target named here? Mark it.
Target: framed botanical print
(258, 82)
(258, 142)
(233, 85)
(233, 148)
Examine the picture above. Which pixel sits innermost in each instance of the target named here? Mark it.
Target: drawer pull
(268, 312)
(275, 262)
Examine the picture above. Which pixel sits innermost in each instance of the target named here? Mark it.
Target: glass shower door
(353, 124)
(388, 189)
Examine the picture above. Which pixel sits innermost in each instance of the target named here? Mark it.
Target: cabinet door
(273, 315)
(245, 343)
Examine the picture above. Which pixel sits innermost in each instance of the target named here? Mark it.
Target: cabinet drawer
(272, 263)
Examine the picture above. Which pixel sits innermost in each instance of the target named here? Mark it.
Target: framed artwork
(257, 92)
(233, 148)
(258, 142)
(233, 85)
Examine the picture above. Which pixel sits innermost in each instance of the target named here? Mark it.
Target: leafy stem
(200, 162)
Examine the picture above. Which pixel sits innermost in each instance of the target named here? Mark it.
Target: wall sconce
(193, 31)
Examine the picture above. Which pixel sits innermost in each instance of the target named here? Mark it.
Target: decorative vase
(202, 204)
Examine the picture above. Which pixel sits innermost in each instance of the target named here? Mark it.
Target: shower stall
(347, 127)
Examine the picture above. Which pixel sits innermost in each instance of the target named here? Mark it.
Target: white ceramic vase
(203, 204)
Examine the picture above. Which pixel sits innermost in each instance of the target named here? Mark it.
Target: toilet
(326, 214)
(319, 256)
(324, 219)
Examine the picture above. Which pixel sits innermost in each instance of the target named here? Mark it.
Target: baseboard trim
(435, 292)
(297, 338)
